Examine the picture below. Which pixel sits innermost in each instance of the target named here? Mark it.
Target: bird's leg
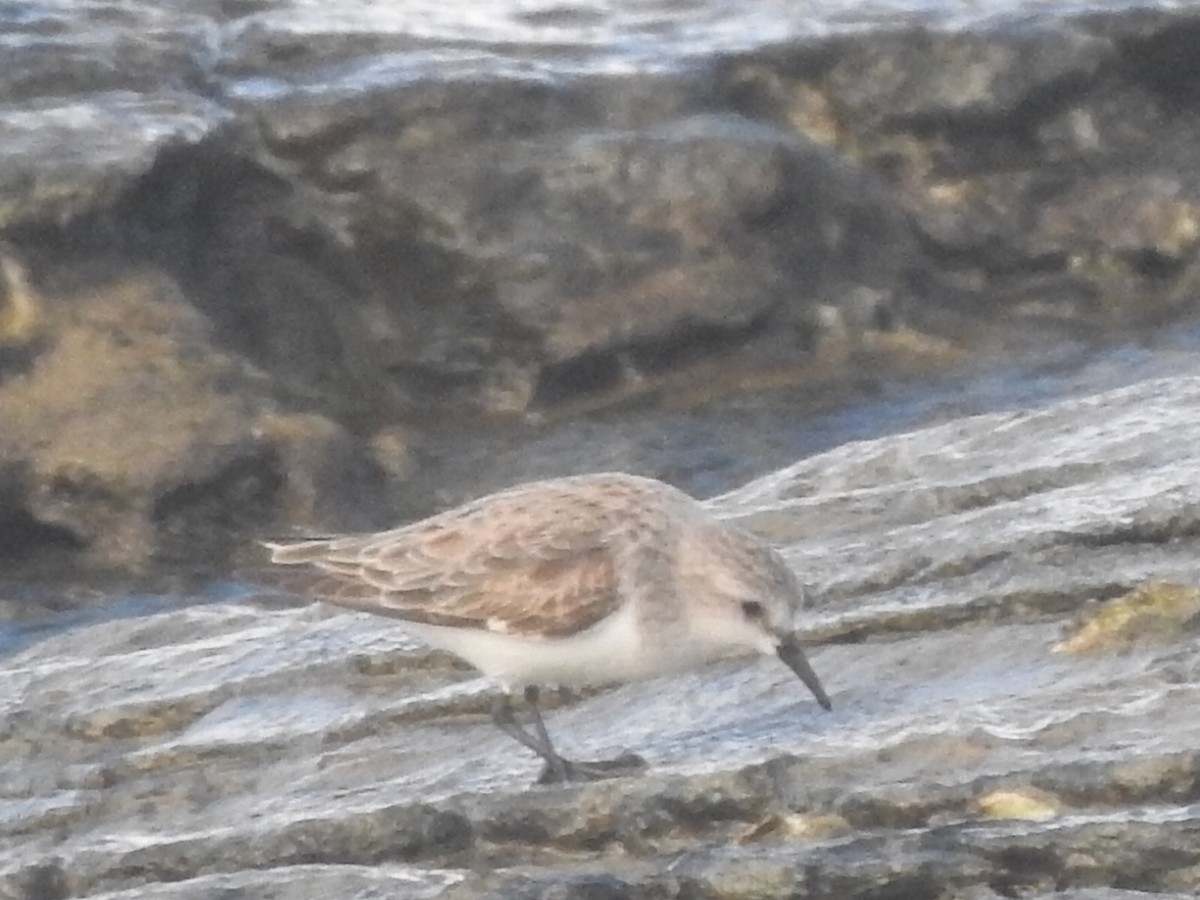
(556, 766)
(505, 719)
(557, 769)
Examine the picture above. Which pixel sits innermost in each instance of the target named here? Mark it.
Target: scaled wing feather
(537, 576)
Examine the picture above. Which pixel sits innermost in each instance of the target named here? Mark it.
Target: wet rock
(399, 242)
(187, 750)
(128, 436)
(1156, 611)
(1010, 143)
(22, 317)
(1018, 804)
(475, 270)
(796, 825)
(584, 886)
(924, 78)
(300, 883)
(121, 131)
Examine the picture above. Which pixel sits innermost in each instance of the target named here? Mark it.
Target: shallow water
(534, 38)
(551, 37)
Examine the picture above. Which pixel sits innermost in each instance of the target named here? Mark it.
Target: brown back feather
(541, 566)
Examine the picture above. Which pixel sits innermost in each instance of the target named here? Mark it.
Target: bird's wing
(498, 565)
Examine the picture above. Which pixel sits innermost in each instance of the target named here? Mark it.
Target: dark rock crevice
(23, 536)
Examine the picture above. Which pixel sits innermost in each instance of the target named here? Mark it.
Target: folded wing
(498, 565)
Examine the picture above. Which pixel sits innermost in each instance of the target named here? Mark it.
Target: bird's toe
(593, 770)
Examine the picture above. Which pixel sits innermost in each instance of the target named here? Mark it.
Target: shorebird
(588, 580)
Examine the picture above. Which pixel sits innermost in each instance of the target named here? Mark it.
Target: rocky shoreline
(1003, 610)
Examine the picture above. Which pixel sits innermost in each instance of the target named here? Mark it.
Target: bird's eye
(752, 609)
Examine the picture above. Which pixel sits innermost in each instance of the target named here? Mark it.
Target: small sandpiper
(589, 580)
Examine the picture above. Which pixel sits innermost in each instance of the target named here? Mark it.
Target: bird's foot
(592, 770)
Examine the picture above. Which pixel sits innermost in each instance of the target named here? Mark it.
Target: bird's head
(745, 595)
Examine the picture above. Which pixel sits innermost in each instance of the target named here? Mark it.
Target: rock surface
(129, 436)
(240, 746)
(399, 232)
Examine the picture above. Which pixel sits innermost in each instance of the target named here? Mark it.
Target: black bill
(789, 651)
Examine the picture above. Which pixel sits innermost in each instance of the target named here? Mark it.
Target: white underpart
(613, 650)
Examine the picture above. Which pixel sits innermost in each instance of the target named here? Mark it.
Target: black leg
(539, 726)
(557, 770)
(505, 719)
